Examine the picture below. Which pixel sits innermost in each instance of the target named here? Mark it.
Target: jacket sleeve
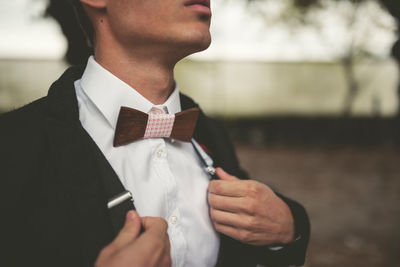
(292, 254)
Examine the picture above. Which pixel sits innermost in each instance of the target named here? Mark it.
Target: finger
(223, 175)
(153, 245)
(247, 237)
(155, 225)
(238, 221)
(241, 235)
(225, 203)
(166, 260)
(228, 188)
(129, 232)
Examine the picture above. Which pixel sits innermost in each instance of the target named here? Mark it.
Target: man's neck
(147, 74)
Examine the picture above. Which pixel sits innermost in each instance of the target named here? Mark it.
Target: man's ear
(95, 3)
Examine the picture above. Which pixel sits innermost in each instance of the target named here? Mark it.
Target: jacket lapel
(112, 186)
(80, 165)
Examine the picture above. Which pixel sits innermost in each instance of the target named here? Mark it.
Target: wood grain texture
(184, 125)
(131, 126)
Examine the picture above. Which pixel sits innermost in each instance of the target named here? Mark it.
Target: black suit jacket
(55, 184)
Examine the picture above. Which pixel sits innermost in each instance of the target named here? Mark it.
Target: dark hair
(83, 21)
(75, 26)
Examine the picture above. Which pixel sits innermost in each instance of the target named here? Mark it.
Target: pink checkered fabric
(159, 125)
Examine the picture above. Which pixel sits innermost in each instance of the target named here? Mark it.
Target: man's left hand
(249, 211)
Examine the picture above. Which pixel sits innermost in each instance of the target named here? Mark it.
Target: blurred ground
(351, 194)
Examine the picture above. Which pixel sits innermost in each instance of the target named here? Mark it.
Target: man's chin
(204, 44)
(200, 43)
(194, 48)
(185, 45)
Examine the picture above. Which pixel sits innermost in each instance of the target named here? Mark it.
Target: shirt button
(156, 111)
(173, 220)
(159, 153)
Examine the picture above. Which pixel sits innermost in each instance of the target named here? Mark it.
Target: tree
(357, 19)
(393, 6)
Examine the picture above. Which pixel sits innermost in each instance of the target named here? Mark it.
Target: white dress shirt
(165, 177)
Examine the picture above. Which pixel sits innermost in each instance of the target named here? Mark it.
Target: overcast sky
(237, 34)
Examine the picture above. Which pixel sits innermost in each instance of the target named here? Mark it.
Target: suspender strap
(208, 167)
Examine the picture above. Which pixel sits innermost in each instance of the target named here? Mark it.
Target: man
(70, 159)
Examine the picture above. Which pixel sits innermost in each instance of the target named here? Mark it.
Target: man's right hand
(130, 248)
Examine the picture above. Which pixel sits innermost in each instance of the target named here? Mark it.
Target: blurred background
(309, 90)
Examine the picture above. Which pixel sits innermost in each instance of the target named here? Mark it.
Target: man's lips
(205, 3)
(200, 6)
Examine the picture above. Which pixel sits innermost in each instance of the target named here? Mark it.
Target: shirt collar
(108, 93)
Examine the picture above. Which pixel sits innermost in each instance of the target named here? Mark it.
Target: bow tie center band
(133, 124)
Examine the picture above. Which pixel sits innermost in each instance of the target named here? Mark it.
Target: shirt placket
(162, 168)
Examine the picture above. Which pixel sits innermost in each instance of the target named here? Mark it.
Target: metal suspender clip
(207, 167)
(118, 199)
(210, 170)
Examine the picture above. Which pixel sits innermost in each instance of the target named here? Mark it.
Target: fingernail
(131, 215)
(222, 171)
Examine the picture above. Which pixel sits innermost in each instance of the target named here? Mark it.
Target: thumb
(223, 175)
(129, 232)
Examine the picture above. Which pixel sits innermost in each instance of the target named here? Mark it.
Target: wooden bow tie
(133, 124)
